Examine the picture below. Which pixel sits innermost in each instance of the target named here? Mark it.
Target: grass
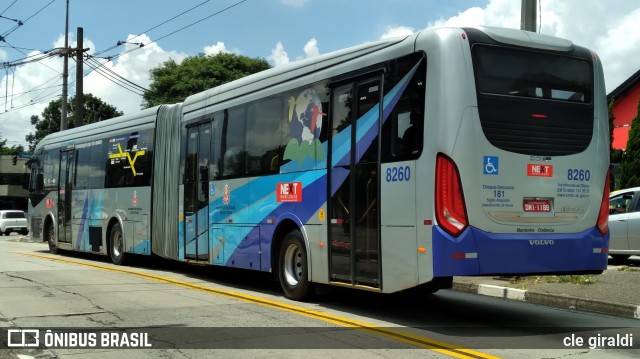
(628, 269)
(523, 282)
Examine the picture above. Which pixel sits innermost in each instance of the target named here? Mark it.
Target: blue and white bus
(388, 166)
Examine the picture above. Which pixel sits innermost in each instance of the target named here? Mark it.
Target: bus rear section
(525, 189)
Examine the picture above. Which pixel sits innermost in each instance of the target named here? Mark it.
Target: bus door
(196, 193)
(354, 188)
(65, 189)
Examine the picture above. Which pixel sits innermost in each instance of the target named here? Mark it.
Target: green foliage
(616, 156)
(13, 150)
(630, 164)
(172, 83)
(94, 110)
(527, 282)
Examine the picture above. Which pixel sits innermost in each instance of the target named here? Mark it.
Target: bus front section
(526, 187)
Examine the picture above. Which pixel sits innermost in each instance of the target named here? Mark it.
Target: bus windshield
(533, 74)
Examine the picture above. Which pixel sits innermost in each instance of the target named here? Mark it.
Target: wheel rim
(293, 265)
(117, 244)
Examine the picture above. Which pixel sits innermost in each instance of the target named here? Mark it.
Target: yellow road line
(419, 341)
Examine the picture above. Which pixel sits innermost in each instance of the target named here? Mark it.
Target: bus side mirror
(39, 182)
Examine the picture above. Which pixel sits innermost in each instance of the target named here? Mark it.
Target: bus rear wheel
(293, 267)
(619, 258)
(51, 238)
(116, 245)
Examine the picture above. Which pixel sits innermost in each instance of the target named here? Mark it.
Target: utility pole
(65, 73)
(529, 15)
(79, 112)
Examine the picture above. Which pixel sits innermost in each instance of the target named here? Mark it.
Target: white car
(13, 221)
(624, 223)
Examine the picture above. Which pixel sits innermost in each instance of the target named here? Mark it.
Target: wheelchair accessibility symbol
(490, 165)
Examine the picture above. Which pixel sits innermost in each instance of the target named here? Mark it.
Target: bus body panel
(526, 213)
(476, 252)
(398, 232)
(91, 210)
(517, 221)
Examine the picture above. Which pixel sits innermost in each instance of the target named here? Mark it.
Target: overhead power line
(30, 59)
(7, 8)
(14, 20)
(3, 36)
(151, 28)
(114, 77)
(182, 28)
(94, 64)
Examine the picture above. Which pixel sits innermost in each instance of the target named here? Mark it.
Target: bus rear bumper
(476, 252)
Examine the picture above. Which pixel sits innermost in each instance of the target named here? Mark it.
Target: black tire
(7, 232)
(50, 237)
(24, 233)
(293, 267)
(116, 245)
(618, 258)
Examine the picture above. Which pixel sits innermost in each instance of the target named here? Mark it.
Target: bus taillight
(603, 216)
(451, 212)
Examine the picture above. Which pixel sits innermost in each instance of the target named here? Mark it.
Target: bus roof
(284, 73)
(113, 124)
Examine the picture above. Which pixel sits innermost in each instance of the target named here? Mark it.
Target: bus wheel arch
(293, 266)
(290, 261)
(115, 242)
(49, 235)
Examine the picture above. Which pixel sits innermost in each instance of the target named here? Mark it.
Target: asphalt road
(193, 312)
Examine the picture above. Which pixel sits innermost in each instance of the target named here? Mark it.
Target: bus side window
(402, 132)
(233, 143)
(409, 140)
(215, 162)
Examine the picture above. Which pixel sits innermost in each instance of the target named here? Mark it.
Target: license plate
(536, 205)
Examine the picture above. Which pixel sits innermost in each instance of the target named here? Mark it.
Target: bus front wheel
(293, 267)
(116, 245)
(51, 238)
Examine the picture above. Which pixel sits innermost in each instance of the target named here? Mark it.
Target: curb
(550, 299)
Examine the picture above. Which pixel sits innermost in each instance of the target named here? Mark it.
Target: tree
(13, 150)
(615, 156)
(94, 110)
(172, 83)
(630, 164)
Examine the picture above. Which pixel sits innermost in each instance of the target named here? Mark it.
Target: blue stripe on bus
(301, 214)
(81, 229)
(91, 212)
(312, 181)
(141, 248)
(517, 253)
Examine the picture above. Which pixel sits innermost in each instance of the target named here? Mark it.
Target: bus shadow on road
(234, 278)
(466, 319)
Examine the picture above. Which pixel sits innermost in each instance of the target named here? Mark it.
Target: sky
(280, 31)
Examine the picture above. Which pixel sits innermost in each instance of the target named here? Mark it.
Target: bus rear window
(532, 74)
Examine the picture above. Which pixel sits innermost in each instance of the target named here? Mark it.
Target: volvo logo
(541, 242)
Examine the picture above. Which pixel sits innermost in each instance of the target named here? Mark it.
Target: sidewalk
(615, 292)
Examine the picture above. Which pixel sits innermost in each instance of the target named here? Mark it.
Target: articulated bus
(389, 166)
